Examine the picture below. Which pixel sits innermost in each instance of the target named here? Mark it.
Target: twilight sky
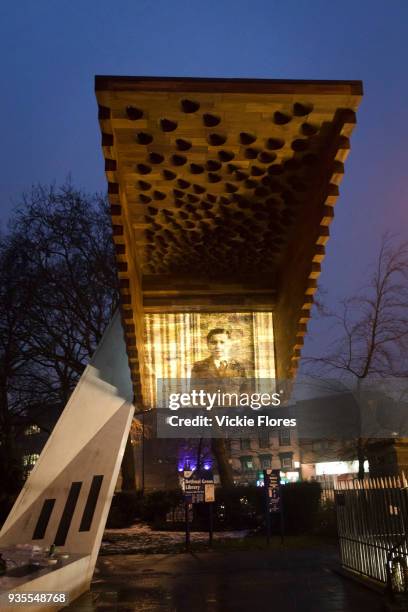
(51, 50)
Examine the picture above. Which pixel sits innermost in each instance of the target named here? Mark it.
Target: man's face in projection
(219, 346)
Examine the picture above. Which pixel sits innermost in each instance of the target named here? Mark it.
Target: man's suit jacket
(206, 376)
(207, 369)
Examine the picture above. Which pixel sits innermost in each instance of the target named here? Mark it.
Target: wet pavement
(258, 580)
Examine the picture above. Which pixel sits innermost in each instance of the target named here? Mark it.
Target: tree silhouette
(371, 338)
(58, 289)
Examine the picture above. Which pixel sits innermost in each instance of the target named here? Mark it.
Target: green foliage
(157, 504)
(128, 506)
(244, 508)
(125, 508)
(301, 505)
(236, 508)
(326, 519)
(239, 507)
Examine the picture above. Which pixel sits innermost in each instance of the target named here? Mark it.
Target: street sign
(193, 489)
(198, 486)
(209, 492)
(273, 501)
(272, 490)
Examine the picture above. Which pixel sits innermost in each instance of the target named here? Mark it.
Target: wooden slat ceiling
(212, 182)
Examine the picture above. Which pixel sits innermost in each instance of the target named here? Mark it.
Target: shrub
(236, 508)
(155, 505)
(327, 520)
(239, 507)
(128, 506)
(301, 505)
(125, 508)
(244, 508)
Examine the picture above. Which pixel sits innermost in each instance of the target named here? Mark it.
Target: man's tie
(222, 367)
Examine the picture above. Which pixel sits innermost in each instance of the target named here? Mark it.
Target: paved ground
(279, 579)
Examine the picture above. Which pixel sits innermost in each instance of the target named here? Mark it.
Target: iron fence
(327, 485)
(372, 519)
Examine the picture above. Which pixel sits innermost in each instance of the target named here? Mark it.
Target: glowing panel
(175, 342)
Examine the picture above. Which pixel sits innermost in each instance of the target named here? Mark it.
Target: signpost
(186, 509)
(199, 487)
(273, 500)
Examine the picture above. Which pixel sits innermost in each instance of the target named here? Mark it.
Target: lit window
(286, 460)
(266, 461)
(31, 430)
(30, 460)
(246, 464)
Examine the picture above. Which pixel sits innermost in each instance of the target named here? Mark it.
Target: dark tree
(372, 329)
(58, 293)
(14, 301)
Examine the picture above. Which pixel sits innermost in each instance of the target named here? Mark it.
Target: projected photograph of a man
(219, 363)
(220, 371)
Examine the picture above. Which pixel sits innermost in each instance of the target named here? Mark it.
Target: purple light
(207, 466)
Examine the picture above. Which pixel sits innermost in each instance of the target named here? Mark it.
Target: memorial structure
(222, 192)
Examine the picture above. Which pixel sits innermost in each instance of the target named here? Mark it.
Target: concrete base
(70, 574)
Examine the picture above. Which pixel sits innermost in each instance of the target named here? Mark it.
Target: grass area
(258, 542)
(249, 543)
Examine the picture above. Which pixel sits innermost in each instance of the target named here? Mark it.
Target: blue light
(207, 466)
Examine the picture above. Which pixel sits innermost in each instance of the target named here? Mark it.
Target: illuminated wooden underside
(222, 192)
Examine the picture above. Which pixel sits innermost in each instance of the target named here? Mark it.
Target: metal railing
(372, 520)
(327, 485)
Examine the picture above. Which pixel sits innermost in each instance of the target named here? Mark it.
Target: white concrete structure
(68, 494)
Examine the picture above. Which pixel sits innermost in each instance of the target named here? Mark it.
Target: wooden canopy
(222, 192)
